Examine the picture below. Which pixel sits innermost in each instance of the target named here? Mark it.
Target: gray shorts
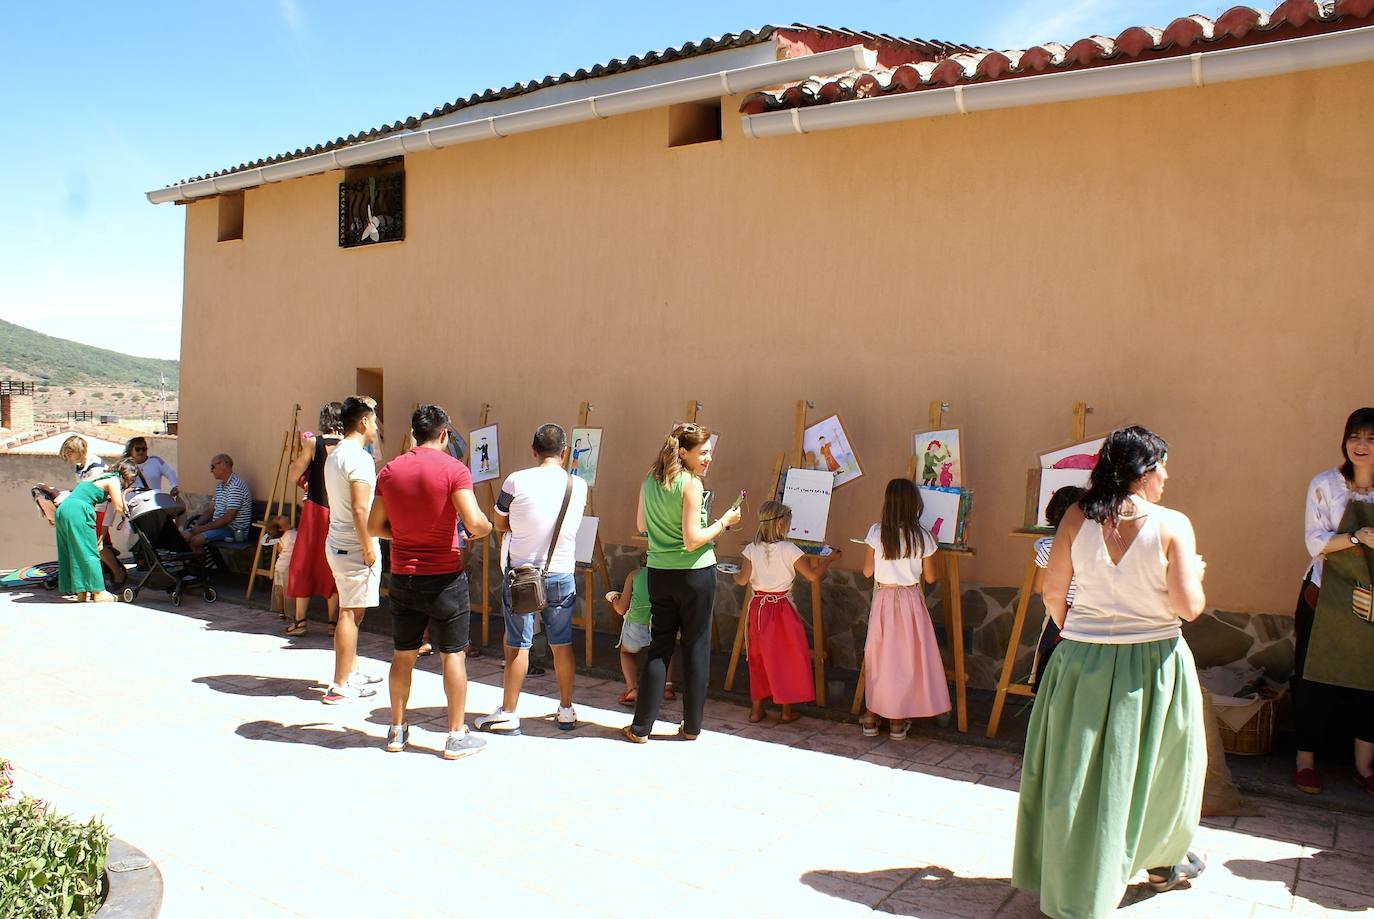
(634, 636)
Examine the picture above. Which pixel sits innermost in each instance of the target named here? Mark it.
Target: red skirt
(779, 656)
(309, 575)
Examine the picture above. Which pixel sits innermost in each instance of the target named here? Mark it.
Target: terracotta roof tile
(796, 39)
(1238, 26)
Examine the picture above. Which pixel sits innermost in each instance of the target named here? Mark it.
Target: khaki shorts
(360, 586)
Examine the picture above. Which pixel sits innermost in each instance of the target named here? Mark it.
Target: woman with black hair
(1333, 668)
(1116, 753)
(309, 575)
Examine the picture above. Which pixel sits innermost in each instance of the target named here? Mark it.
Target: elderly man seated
(232, 516)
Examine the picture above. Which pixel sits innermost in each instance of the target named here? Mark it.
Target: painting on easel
(944, 513)
(486, 454)
(584, 456)
(1060, 467)
(939, 458)
(826, 446)
(806, 492)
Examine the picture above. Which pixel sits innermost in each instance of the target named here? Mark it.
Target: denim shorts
(634, 636)
(224, 534)
(560, 595)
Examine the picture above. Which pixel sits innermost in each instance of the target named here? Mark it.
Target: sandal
(628, 732)
(755, 719)
(669, 694)
(628, 698)
(683, 735)
(1186, 870)
(897, 730)
(788, 719)
(1365, 781)
(870, 727)
(297, 627)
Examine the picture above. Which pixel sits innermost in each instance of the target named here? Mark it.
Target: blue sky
(108, 100)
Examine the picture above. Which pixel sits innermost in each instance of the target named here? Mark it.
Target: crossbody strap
(558, 524)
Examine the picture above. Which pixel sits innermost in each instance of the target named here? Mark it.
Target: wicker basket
(1256, 736)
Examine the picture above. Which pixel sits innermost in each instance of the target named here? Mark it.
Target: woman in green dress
(78, 559)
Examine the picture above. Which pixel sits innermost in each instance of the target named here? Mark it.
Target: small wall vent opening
(231, 216)
(693, 123)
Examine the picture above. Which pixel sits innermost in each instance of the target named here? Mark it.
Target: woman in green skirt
(1116, 753)
(78, 558)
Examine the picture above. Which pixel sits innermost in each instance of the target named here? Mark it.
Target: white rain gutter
(692, 89)
(1333, 49)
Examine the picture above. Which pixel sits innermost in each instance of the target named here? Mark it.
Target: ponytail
(684, 436)
(1127, 455)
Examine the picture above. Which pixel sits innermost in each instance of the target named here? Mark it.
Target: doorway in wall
(370, 383)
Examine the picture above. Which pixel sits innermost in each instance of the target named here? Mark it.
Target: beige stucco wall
(1188, 260)
(25, 538)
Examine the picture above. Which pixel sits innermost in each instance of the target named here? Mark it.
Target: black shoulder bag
(527, 581)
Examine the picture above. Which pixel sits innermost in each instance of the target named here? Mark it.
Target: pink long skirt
(779, 657)
(904, 676)
(309, 575)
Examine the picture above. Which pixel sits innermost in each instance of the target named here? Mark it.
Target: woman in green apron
(78, 558)
(1333, 670)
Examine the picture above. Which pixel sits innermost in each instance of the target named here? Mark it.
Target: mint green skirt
(1116, 756)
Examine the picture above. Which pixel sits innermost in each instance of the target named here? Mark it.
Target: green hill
(57, 360)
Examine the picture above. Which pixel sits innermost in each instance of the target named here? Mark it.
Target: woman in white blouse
(1315, 700)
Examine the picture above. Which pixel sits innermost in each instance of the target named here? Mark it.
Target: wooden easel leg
(486, 589)
(859, 690)
(587, 632)
(1018, 624)
(261, 525)
(956, 608)
(739, 640)
(818, 640)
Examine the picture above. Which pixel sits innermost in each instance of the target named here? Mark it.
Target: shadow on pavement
(244, 684)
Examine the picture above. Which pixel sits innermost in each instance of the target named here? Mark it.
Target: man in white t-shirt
(526, 511)
(350, 477)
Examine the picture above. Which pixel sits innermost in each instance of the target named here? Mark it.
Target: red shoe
(1365, 781)
(1307, 781)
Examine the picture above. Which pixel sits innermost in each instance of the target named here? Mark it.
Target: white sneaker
(567, 718)
(346, 693)
(499, 722)
(396, 737)
(358, 678)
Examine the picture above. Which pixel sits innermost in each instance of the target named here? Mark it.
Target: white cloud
(1031, 22)
(291, 13)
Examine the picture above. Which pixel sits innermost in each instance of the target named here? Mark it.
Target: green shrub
(50, 865)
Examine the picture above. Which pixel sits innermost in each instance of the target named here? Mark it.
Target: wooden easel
(490, 510)
(817, 620)
(951, 599)
(599, 561)
(276, 502)
(1005, 686)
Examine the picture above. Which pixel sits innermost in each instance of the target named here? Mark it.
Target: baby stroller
(162, 552)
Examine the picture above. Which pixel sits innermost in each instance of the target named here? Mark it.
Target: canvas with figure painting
(939, 458)
(826, 446)
(584, 455)
(486, 455)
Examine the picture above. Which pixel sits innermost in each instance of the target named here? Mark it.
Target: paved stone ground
(199, 736)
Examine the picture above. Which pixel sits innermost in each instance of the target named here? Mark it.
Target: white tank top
(1125, 603)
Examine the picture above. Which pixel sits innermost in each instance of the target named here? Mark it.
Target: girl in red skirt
(778, 653)
(309, 574)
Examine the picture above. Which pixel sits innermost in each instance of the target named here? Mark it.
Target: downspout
(1334, 49)
(692, 89)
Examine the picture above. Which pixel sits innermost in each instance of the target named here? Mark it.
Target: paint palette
(727, 568)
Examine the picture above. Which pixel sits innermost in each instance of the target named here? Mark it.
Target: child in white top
(778, 653)
(904, 677)
(280, 530)
(1060, 502)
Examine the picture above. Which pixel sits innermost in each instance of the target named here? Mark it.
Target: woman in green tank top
(682, 577)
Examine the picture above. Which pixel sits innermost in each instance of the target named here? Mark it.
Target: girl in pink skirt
(904, 676)
(779, 656)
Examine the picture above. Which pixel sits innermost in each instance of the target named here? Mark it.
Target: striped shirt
(233, 493)
(1042, 560)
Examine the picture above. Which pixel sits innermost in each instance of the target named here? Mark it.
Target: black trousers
(678, 601)
(1316, 705)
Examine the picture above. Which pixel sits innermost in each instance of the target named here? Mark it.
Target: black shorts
(439, 601)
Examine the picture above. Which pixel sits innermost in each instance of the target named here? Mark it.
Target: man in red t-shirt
(420, 496)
